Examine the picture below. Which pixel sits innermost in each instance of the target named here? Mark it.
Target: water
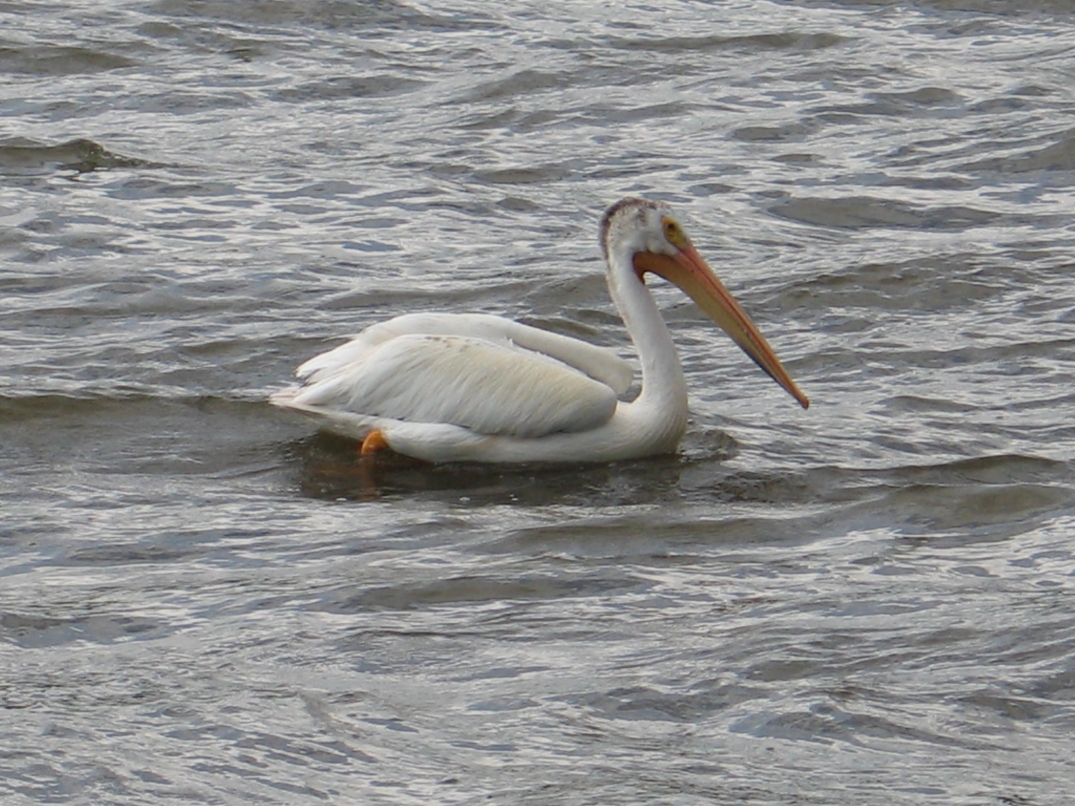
(202, 601)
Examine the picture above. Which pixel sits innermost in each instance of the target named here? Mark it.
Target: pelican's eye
(674, 234)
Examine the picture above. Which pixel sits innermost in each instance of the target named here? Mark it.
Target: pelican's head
(646, 235)
(637, 225)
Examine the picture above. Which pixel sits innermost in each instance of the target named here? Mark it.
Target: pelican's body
(472, 387)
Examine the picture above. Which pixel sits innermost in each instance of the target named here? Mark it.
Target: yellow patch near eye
(675, 235)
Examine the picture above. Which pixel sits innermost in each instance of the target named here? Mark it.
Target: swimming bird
(475, 387)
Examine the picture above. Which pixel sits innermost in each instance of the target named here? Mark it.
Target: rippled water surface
(870, 602)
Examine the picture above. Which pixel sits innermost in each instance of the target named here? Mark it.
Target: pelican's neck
(664, 389)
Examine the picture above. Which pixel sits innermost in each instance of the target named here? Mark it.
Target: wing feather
(599, 363)
(489, 387)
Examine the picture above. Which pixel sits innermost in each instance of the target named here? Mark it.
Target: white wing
(478, 372)
(599, 363)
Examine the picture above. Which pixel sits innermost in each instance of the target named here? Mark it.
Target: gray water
(203, 601)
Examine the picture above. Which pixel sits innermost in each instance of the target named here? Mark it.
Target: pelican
(473, 387)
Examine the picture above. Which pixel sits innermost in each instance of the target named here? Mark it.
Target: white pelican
(473, 387)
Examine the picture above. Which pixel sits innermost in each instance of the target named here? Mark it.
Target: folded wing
(496, 385)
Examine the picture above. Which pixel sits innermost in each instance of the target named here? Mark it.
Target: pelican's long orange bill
(689, 271)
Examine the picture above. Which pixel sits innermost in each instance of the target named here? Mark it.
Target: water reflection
(330, 468)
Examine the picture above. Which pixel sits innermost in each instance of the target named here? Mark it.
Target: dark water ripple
(866, 603)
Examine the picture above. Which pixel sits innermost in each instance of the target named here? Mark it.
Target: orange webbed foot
(373, 442)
